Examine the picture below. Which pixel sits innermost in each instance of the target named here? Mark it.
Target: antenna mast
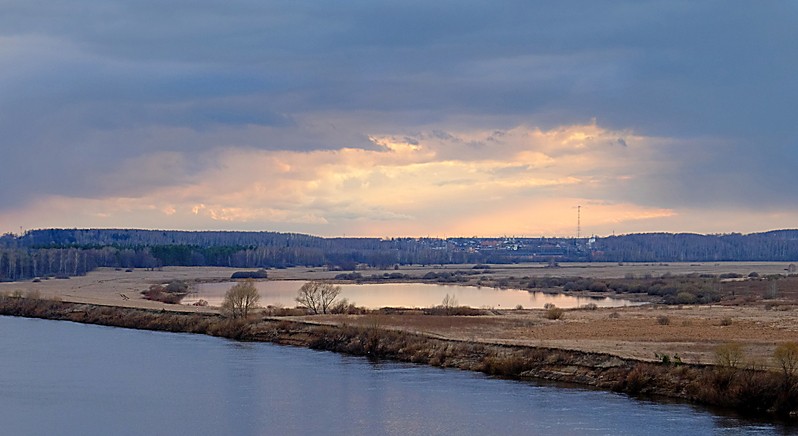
(578, 222)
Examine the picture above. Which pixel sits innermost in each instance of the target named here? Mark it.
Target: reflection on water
(283, 292)
(66, 378)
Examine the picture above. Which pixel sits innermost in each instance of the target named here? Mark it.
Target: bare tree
(240, 299)
(786, 356)
(317, 296)
(729, 355)
(449, 303)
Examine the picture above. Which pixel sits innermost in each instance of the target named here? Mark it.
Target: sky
(400, 118)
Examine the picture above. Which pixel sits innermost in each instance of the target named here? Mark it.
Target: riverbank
(748, 313)
(747, 390)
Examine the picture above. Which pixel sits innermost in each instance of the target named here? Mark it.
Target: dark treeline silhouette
(71, 252)
(777, 245)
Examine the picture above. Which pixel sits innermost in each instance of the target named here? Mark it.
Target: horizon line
(344, 236)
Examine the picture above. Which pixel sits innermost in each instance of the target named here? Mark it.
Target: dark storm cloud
(89, 86)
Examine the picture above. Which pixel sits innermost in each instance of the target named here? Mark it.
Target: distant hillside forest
(72, 252)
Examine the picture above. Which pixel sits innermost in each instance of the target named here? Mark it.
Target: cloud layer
(452, 118)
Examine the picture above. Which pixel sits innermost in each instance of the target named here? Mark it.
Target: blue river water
(62, 378)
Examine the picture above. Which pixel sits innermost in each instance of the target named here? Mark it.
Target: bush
(554, 313)
(452, 311)
(162, 294)
(346, 308)
(231, 328)
(259, 274)
(349, 276)
(685, 298)
(729, 355)
(177, 287)
(641, 379)
(730, 276)
(726, 321)
(786, 356)
(507, 366)
(663, 320)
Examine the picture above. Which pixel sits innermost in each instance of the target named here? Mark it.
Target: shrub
(640, 379)
(730, 276)
(349, 276)
(509, 365)
(176, 287)
(231, 328)
(346, 308)
(663, 320)
(259, 274)
(161, 293)
(755, 391)
(786, 356)
(685, 298)
(664, 358)
(726, 321)
(451, 311)
(554, 313)
(729, 355)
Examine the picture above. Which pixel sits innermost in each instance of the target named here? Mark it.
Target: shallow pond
(283, 292)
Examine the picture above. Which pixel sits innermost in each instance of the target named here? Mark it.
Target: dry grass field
(692, 333)
(746, 315)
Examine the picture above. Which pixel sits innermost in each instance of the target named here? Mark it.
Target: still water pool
(376, 295)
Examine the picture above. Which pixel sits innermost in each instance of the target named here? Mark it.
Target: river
(65, 378)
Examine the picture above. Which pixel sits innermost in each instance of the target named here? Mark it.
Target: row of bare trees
(317, 296)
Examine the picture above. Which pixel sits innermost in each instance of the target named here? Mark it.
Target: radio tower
(578, 222)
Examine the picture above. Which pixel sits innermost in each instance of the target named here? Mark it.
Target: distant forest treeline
(776, 245)
(71, 252)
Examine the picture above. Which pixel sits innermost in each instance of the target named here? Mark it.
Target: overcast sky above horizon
(411, 118)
